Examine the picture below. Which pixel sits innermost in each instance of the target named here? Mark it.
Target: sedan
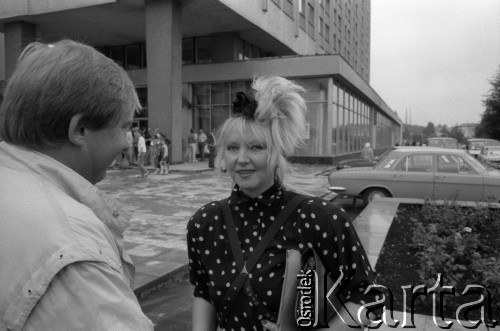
(490, 156)
(421, 172)
(355, 163)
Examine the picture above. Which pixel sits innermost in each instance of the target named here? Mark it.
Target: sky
(433, 60)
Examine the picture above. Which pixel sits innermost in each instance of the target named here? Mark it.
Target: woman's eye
(232, 148)
(257, 148)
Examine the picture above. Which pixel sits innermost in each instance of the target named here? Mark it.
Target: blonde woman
(253, 144)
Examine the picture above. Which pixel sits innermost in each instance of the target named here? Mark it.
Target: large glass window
(201, 94)
(202, 118)
(241, 86)
(352, 116)
(338, 128)
(302, 14)
(335, 130)
(203, 50)
(288, 7)
(188, 51)
(310, 20)
(218, 115)
(133, 56)
(116, 54)
(220, 94)
(317, 130)
(129, 57)
(141, 117)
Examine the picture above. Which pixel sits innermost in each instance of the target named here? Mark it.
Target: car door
(413, 176)
(456, 179)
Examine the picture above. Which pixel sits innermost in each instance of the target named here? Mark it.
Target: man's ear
(77, 132)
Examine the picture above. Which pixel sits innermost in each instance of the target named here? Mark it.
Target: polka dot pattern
(316, 224)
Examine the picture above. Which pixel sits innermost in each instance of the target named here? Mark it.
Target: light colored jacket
(62, 260)
(141, 145)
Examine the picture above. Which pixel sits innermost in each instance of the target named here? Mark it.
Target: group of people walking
(202, 144)
(65, 116)
(145, 149)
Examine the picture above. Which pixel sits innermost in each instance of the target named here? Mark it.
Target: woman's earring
(277, 178)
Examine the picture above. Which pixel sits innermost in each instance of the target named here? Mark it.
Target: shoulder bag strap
(246, 267)
(273, 229)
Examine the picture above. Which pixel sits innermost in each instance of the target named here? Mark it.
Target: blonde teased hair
(279, 120)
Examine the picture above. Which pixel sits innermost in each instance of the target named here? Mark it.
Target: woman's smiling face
(247, 160)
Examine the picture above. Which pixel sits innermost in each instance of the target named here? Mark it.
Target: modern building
(188, 58)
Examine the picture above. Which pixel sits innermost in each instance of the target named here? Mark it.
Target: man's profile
(64, 118)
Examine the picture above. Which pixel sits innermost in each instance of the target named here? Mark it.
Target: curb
(150, 288)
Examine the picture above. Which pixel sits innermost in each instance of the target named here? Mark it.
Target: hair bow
(244, 105)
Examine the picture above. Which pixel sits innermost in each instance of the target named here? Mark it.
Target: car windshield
(388, 159)
(479, 143)
(474, 162)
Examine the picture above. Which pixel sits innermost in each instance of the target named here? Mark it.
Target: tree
(429, 131)
(489, 125)
(444, 131)
(458, 134)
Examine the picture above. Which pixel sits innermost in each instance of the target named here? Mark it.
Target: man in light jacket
(64, 118)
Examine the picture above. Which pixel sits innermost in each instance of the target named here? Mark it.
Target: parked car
(421, 172)
(490, 156)
(445, 142)
(355, 163)
(474, 145)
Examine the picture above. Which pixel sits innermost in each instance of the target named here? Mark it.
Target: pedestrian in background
(156, 149)
(253, 146)
(135, 135)
(192, 145)
(367, 153)
(148, 137)
(64, 118)
(151, 154)
(128, 152)
(211, 143)
(202, 141)
(164, 163)
(141, 148)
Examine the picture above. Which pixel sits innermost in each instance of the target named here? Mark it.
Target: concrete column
(17, 36)
(164, 70)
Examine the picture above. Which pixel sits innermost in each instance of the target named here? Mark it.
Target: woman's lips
(245, 173)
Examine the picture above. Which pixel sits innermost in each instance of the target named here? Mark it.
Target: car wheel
(373, 193)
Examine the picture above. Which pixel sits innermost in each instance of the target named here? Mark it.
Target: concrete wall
(13, 8)
(276, 23)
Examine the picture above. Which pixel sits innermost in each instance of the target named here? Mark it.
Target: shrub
(461, 243)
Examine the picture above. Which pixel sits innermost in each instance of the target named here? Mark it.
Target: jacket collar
(267, 198)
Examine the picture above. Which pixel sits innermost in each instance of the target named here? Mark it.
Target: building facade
(188, 58)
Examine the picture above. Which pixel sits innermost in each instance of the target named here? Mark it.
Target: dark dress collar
(267, 197)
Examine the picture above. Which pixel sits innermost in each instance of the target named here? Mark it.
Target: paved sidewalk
(163, 205)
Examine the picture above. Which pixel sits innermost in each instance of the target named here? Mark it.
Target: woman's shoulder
(206, 215)
(319, 206)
